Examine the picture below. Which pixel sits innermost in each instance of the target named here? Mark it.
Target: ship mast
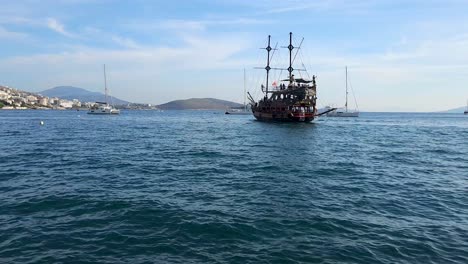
(105, 83)
(245, 94)
(267, 68)
(346, 104)
(290, 48)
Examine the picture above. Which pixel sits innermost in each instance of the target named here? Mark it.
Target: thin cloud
(6, 34)
(194, 25)
(125, 42)
(58, 27)
(17, 20)
(289, 6)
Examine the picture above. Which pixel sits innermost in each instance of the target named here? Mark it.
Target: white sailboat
(344, 112)
(244, 110)
(466, 110)
(103, 108)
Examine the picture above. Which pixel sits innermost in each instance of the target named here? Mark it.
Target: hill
(83, 95)
(456, 110)
(199, 103)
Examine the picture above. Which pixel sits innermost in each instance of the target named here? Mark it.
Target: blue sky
(401, 55)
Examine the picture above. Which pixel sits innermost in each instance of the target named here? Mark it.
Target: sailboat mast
(346, 104)
(245, 93)
(105, 83)
(267, 68)
(290, 68)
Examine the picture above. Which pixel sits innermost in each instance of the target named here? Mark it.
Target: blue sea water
(203, 187)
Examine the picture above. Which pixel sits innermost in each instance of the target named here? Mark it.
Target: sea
(204, 187)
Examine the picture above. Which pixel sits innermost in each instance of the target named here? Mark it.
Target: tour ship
(290, 100)
(103, 108)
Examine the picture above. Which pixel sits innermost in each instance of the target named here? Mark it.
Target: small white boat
(103, 108)
(238, 112)
(340, 112)
(344, 111)
(466, 110)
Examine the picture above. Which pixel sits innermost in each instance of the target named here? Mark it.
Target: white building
(76, 103)
(54, 101)
(4, 95)
(44, 101)
(66, 104)
(31, 99)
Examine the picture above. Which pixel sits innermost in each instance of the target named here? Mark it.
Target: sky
(401, 55)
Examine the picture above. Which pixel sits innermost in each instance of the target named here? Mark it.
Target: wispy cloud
(197, 58)
(179, 25)
(6, 34)
(291, 6)
(17, 20)
(194, 25)
(125, 42)
(58, 27)
(391, 61)
(288, 6)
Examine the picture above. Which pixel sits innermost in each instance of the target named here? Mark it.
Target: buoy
(42, 123)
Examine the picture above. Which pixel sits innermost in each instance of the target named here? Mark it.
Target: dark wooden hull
(284, 117)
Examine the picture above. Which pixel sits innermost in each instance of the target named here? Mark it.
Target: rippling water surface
(202, 187)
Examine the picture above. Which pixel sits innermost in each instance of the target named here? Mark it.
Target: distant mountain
(456, 110)
(199, 103)
(83, 95)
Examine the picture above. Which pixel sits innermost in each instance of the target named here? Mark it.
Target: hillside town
(11, 98)
(15, 99)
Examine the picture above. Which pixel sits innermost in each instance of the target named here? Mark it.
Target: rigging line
(301, 57)
(305, 57)
(273, 53)
(303, 65)
(354, 96)
(108, 93)
(271, 58)
(308, 75)
(256, 79)
(252, 83)
(300, 45)
(279, 60)
(297, 52)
